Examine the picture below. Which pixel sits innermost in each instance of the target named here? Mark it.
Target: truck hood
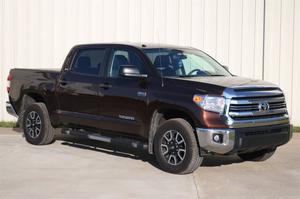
(217, 84)
(231, 81)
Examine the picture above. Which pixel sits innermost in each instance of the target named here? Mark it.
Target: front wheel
(176, 148)
(37, 126)
(261, 155)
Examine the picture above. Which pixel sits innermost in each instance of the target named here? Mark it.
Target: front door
(124, 99)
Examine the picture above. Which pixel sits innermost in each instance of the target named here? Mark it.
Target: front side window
(88, 61)
(184, 63)
(124, 57)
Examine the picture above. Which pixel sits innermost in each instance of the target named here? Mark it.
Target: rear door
(78, 86)
(124, 99)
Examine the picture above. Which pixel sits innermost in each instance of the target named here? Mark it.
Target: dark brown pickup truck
(178, 103)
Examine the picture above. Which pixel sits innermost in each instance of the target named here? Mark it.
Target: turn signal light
(197, 99)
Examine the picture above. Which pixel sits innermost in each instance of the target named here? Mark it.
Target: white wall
(39, 33)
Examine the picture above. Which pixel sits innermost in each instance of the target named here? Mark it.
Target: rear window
(88, 61)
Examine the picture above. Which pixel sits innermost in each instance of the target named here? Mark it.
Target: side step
(104, 138)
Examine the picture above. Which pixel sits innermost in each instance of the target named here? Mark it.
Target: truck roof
(137, 45)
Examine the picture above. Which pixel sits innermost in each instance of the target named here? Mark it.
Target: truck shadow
(128, 152)
(111, 149)
(218, 160)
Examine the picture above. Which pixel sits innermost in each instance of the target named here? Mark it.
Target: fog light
(218, 138)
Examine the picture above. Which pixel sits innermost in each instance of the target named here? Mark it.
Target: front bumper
(10, 109)
(227, 141)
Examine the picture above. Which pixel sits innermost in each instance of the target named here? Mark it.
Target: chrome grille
(245, 108)
(242, 106)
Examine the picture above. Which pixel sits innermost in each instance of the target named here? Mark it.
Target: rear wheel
(176, 148)
(261, 155)
(37, 126)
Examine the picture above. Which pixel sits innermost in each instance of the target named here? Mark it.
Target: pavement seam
(195, 183)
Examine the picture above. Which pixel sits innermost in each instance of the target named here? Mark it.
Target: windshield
(184, 63)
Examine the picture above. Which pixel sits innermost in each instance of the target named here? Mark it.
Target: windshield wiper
(201, 76)
(188, 76)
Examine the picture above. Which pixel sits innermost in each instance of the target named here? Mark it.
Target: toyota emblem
(263, 106)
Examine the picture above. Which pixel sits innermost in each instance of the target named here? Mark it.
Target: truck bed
(37, 80)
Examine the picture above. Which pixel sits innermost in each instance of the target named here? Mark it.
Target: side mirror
(130, 71)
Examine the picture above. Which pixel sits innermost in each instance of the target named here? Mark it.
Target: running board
(104, 138)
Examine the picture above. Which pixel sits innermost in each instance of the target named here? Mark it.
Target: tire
(258, 156)
(37, 126)
(26, 101)
(20, 119)
(171, 139)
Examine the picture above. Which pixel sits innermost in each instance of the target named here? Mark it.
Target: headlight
(210, 103)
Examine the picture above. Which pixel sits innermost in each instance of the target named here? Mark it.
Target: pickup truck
(176, 103)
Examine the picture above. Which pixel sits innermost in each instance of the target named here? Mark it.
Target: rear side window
(88, 61)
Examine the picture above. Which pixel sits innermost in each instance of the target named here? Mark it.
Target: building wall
(39, 33)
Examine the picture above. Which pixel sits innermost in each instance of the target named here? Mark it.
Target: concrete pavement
(96, 170)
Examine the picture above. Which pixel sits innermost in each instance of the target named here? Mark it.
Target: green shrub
(8, 124)
(296, 129)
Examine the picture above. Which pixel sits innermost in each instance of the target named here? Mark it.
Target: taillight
(9, 78)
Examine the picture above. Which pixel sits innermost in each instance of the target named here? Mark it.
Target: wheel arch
(160, 115)
(29, 98)
(26, 100)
